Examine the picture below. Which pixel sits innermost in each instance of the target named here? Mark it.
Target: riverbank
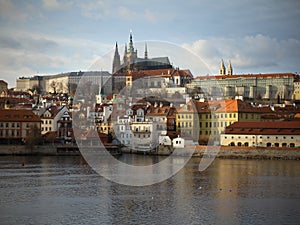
(239, 152)
(230, 152)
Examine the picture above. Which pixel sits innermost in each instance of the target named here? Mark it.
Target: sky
(53, 36)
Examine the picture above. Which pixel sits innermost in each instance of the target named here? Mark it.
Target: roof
(158, 73)
(267, 75)
(3, 82)
(223, 106)
(262, 127)
(18, 115)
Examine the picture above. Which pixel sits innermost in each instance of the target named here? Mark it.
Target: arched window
(269, 144)
(232, 144)
(246, 144)
(292, 145)
(284, 144)
(239, 143)
(276, 144)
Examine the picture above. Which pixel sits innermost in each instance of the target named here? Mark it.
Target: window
(292, 145)
(284, 144)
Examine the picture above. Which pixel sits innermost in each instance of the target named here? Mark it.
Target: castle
(131, 62)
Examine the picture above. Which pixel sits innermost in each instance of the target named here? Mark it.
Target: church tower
(116, 62)
(130, 55)
(230, 70)
(222, 68)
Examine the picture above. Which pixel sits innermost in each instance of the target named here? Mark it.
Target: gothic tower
(130, 55)
(116, 62)
(222, 68)
(229, 70)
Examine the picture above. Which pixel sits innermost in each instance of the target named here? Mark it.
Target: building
(262, 134)
(131, 61)
(50, 117)
(205, 121)
(3, 86)
(64, 128)
(122, 69)
(18, 126)
(296, 94)
(67, 82)
(248, 86)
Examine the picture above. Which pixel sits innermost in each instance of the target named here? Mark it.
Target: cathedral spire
(116, 62)
(131, 48)
(229, 70)
(222, 68)
(146, 51)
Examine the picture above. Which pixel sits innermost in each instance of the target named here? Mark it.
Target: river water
(65, 190)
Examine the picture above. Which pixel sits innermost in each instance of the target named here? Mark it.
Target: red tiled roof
(262, 127)
(18, 115)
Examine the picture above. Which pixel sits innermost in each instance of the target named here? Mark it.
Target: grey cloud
(250, 54)
(28, 43)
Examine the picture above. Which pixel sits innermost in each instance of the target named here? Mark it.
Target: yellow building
(207, 120)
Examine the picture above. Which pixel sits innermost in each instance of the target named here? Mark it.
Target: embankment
(239, 152)
(34, 150)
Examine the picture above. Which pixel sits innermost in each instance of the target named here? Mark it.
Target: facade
(67, 82)
(64, 128)
(17, 126)
(249, 86)
(296, 94)
(50, 117)
(262, 134)
(3, 86)
(205, 121)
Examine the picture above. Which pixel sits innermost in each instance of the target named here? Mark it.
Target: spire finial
(131, 48)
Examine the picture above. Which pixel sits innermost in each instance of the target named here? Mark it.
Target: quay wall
(247, 152)
(200, 151)
(32, 150)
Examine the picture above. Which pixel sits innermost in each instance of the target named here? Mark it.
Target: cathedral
(131, 62)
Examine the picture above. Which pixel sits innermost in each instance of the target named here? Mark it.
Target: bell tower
(222, 68)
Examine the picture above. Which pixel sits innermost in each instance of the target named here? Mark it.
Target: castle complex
(131, 61)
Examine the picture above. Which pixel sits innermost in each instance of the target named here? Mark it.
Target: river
(65, 190)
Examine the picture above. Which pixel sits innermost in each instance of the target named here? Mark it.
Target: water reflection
(66, 190)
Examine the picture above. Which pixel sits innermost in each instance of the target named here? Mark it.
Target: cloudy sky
(53, 36)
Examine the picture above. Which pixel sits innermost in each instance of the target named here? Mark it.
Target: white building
(50, 117)
(178, 142)
(262, 134)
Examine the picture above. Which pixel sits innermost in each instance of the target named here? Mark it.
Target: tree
(34, 137)
(36, 89)
(54, 86)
